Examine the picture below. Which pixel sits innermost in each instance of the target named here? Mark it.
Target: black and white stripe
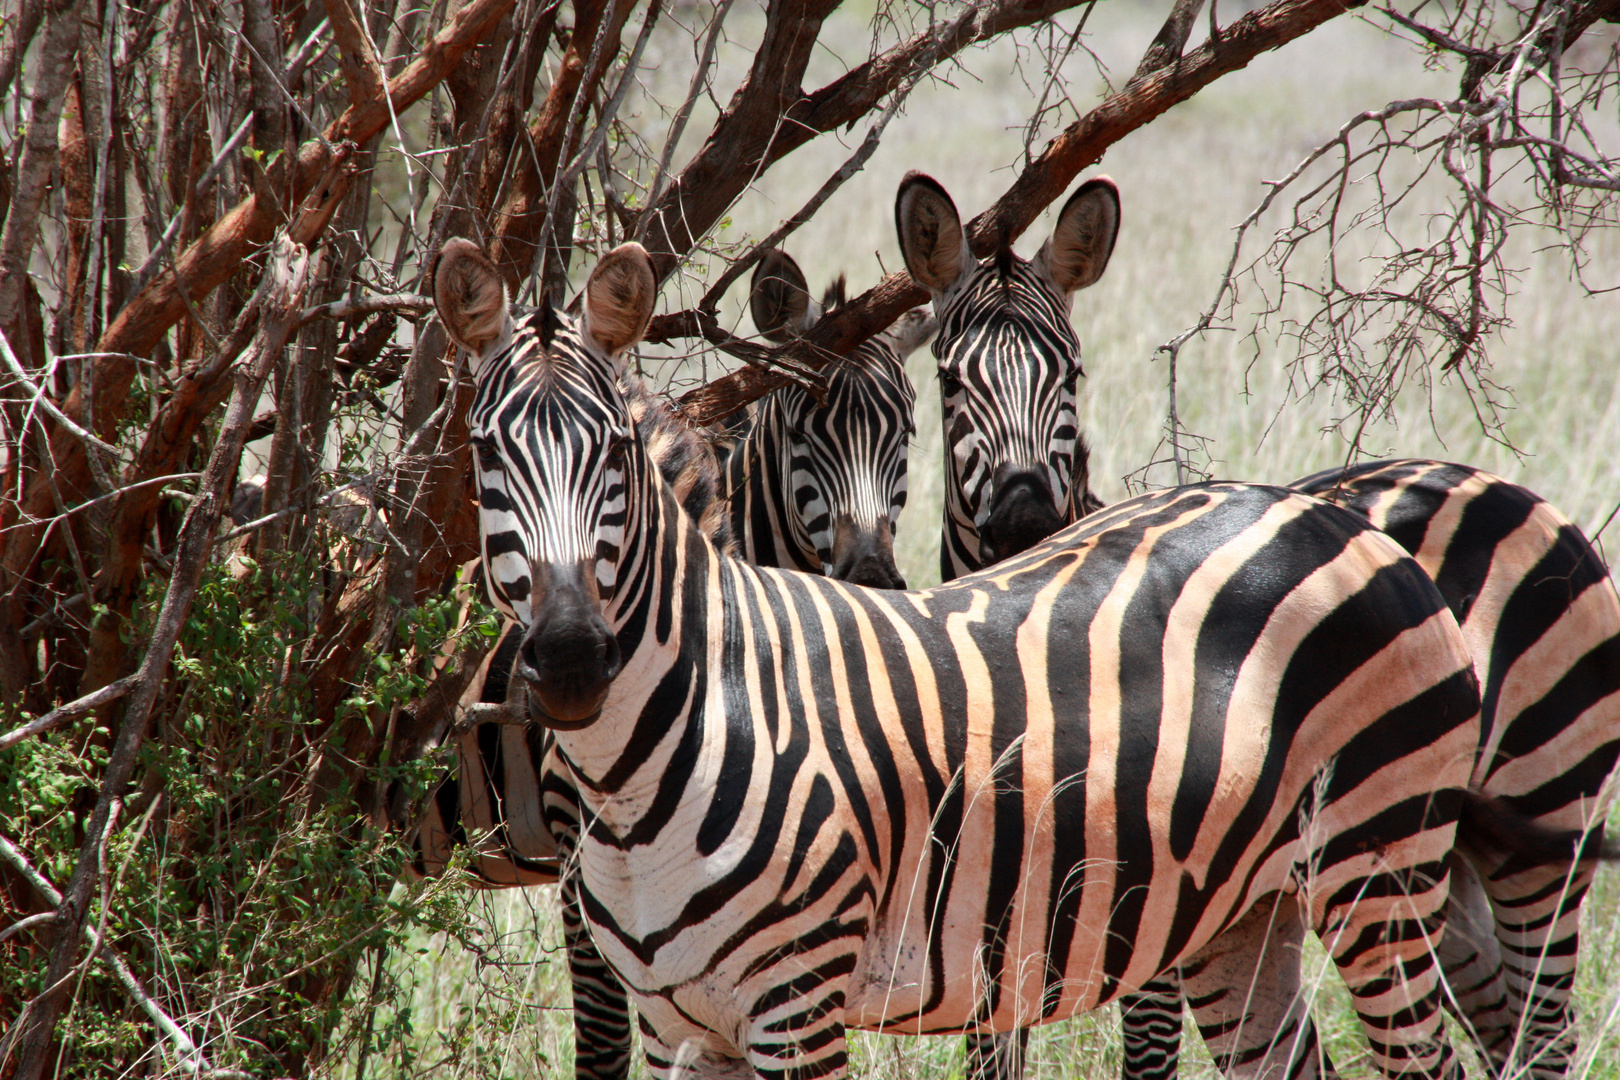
(1009, 369)
(818, 486)
(1002, 801)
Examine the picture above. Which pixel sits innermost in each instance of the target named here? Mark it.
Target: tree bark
(54, 67)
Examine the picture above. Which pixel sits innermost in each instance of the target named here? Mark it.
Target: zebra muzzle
(1023, 512)
(864, 556)
(569, 656)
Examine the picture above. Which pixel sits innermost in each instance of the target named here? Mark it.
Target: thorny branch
(1513, 148)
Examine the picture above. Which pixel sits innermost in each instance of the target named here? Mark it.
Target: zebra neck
(659, 613)
(762, 516)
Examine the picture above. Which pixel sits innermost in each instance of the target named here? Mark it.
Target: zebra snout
(1023, 512)
(569, 657)
(864, 556)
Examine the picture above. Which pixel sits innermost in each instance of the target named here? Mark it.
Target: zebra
(1542, 619)
(1401, 497)
(1009, 369)
(818, 486)
(839, 453)
(1017, 468)
(813, 806)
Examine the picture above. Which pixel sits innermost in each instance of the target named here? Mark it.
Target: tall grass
(1186, 180)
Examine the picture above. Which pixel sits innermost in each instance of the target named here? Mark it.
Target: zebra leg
(1382, 923)
(1538, 925)
(1243, 988)
(996, 1055)
(1150, 1026)
(601, 1007)
(1476, 991)
(796, 1035)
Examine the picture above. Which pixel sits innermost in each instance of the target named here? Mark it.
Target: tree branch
(1077, 146)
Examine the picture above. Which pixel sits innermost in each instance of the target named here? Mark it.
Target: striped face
(818, 486)
(551, 488)
(845, 460)
(1009, 368)
(557, 458)
(1009, 373)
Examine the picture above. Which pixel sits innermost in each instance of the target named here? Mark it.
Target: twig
(366, 305)
(92, 444)
(61, 715)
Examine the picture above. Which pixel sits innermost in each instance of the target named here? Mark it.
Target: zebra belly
(897, 987)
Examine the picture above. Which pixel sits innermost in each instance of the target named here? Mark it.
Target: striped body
(960, 828)
(1542, 622)
(1008, 799)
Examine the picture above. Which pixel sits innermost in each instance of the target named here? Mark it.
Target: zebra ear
(779, 297)
(931, 235)
(1083, 241)
(619, 298)
(469, 295)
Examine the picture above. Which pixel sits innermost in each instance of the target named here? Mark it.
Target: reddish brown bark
(521, 218)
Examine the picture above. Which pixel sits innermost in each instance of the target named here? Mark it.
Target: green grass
(1186, 180)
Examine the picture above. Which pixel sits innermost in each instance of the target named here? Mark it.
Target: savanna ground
(1185, 181)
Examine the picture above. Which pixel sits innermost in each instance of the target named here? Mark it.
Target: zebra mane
(687, 458)
(833, 298)
(1004, 260)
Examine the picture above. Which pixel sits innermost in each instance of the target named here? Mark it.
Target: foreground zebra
(1008, 799)
(809, 485)
(1535, 601)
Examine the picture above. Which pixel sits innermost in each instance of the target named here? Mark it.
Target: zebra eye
(617, 448)
(489, 459)
(949, 384)
(1072, 378)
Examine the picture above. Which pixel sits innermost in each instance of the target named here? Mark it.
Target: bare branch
(367, 305)
(1079, 145)
(72, 710)
(1170, 40)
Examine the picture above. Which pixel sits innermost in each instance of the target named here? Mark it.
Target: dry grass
(1186, 180)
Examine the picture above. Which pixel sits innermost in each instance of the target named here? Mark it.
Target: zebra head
(557, 459)
(842, 460)
(1009, 367)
